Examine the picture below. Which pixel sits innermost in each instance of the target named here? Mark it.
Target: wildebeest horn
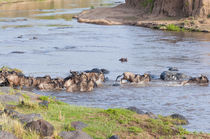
(118, 77)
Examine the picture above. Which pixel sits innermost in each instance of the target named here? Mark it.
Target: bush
(172, 27)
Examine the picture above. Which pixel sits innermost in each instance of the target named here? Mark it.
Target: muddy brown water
(42, 38)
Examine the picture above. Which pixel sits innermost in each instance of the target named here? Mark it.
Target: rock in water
(134, 109)
(114, 137)
(180, 117)
(173, 76)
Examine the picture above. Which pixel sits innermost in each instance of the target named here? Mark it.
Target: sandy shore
(122, 15)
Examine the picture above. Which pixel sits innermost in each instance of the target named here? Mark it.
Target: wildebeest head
(203, 79)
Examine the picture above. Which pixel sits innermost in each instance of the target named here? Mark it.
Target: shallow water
(42, 38)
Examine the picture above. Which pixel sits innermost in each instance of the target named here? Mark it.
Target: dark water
(42, 38)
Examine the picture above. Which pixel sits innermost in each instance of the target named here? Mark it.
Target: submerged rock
(173, 69)
(173, 76)
(183, 120)
(116, 84)
(96, 70)
(134, 109)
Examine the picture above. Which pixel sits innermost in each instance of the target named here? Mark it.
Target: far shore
(122, 15)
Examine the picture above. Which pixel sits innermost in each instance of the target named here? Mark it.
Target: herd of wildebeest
(86, 81)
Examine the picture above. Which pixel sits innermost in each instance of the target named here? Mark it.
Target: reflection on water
(35, 7)
(40, 38)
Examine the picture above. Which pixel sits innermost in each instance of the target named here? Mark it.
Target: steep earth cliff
(173, 8)
(192, 15)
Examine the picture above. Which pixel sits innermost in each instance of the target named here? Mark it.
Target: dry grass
(15, 127)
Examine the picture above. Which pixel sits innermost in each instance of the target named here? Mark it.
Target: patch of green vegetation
(58, 25)
(106, 4)
(1, 106)
(186, 3)
(25, 96)
(46, 98)
(208, 16)
(183, 131)
(135, 130)
(160, 127)
(5, 68)
(92, 7)
(150, 3)
(121, 115)
(66, 17)
(2, 93)
(172, 27)
(50, 99)
(173, 121)
(16, 26)
(12, 91)
(26, 103)
(68, 127)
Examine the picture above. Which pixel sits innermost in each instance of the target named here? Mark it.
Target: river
(40, 37)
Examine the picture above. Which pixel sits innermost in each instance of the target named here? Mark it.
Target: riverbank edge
(2, 2)
(100, 123)
(119, 15)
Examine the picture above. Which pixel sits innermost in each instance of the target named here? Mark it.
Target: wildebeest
(84, 81)
(134, 78)
(202, 80)
(123, 59)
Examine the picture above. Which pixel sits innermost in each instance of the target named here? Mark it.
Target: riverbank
(17, 108)
(2, 2)
(131, 13)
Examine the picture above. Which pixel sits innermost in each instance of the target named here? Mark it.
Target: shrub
(172, 27)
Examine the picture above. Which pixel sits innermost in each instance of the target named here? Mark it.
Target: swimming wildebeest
(123, 59)
(84, 81)
(202, 80)
(134, 78)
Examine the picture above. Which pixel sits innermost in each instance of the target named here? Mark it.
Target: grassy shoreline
(101, 123)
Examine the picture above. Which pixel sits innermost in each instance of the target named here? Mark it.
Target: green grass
(172, 27)
(208, 16)
(101, 123)
(135, 130)
(92, 7)
(5, 68)
(106, 4)
(173, 121)
(25, 96)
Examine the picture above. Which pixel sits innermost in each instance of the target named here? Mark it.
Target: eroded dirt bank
(187, 14)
